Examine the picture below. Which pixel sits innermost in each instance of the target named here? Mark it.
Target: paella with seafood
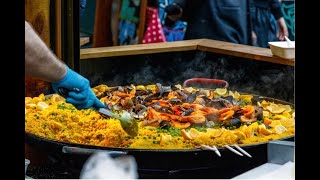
(168, 117)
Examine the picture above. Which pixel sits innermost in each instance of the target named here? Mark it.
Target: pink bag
(154, 32)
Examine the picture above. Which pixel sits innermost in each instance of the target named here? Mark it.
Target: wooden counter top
(219, 47)
(239, 50)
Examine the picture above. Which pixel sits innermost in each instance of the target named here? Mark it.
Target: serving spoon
(128, 124)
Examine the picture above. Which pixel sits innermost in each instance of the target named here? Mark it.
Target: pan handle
(206, 80)
(87, 151)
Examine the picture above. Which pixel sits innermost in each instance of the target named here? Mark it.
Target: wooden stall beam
(187, 45)
(219, 47)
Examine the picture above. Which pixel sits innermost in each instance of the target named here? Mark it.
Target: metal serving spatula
(128, 124)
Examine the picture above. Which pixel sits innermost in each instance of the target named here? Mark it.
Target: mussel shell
(231, 122)
(175, 101)
(258, 112)
(165, 125)
(187, 112)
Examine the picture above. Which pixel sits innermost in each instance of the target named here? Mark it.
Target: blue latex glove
(79, 91)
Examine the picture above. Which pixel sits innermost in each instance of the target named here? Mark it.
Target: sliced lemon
(95, 91)
(279, 129)
(265, 113)
(278, 110)
(265, 131)
(278, 117)
(178, 86)
(151, 87)
(30, 106)
(194, 133)
(254, 126)
(42, 105)
(263, 103)
(261, 126)
(236, 95)
(231, 94)
(165, 138)
(27, 100)
(243, 128)
(287, 122)
(101, 88)
(215, 132)
(273, 108)
(35, 100)
(275, 123)
(221, 91)
(190, 89)
(240, 134)
(249, 132)
(287, 108)
(246, 98)
(286, 114)
(57, 98)
(185, 134)
(207, 92)
(140, 87)
(41, 96)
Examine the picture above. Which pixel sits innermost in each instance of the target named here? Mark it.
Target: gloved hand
(79, 91)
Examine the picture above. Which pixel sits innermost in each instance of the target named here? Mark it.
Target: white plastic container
(27, 162)
(283, 49)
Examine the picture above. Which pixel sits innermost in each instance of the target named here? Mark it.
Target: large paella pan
(168, 117)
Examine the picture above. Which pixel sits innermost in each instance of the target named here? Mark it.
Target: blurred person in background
(222, 20)
(268, 23)
(249, 22)
(41, 63)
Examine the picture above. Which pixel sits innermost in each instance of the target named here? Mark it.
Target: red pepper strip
(226, 115)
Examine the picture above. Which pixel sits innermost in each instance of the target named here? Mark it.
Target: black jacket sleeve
(275, 7)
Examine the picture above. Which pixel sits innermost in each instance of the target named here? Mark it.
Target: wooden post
(142, 19)
(58, 28)
(102, 35)
(37, 13)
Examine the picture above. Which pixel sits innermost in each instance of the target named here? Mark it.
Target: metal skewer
(233, 150)
(211, 149)
(242, 150)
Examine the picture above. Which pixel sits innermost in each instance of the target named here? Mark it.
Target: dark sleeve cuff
(277, 13)
(276, 9)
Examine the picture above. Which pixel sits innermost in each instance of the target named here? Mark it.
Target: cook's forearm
(40, 62)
